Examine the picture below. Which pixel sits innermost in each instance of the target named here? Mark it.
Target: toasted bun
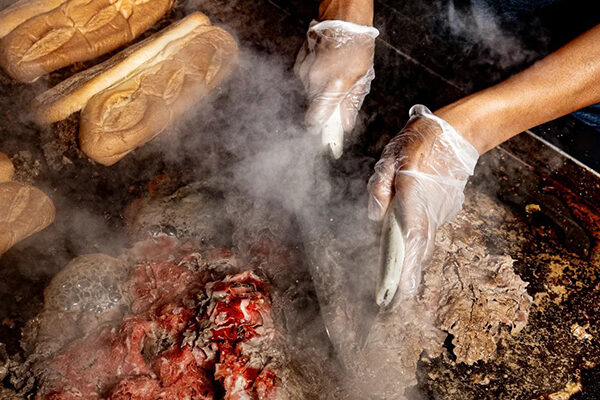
(125, 116)
(7, 170)
(19, 12)
(24, 210)
(77, 30)
(72, 94)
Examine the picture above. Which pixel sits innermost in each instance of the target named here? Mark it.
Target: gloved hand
(422, 173)
(335, 65)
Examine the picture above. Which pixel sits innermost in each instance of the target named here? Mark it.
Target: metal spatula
(333, 134)
(391, 257)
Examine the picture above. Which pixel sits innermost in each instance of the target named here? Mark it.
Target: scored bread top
(128, 114)
(7, 169)
(72, 94)
(19, 12)
(77, 30)
(24, 211)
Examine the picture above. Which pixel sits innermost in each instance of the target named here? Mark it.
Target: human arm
(335, 65)
(565, 81)
(356, 11)
(424, 169)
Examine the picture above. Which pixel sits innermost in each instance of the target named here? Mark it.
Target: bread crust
(24, 210)
(125, 116)
(7, 170)
(72, 94)
(77, 30)
(20, 11)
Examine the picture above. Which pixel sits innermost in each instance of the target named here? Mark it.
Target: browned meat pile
(467, 291)
(474, 302)
(474, 292)
(185, 335)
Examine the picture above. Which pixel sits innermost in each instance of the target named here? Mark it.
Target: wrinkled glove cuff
(338, 26)
(463, 149)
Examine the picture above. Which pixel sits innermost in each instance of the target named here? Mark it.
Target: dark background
(425, 56)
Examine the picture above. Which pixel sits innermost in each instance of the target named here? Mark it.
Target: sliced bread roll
(7, 170)
(134, 96)
(76, 30)
(72, 94)
(19, 12)
(24, 210)
(127, 115)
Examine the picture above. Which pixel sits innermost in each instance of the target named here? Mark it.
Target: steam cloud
(250, 133)
(479, 24)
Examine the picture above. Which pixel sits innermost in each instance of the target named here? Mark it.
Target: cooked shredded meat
(474, 292)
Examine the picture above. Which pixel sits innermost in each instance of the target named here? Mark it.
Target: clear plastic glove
(422, 173)
(335, 65)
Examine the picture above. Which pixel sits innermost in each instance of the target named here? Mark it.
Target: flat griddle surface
(559, 242)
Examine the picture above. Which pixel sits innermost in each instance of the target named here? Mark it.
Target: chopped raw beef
(186, 335)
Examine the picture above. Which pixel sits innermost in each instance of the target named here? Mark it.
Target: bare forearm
(357, 11)
(563, 82)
